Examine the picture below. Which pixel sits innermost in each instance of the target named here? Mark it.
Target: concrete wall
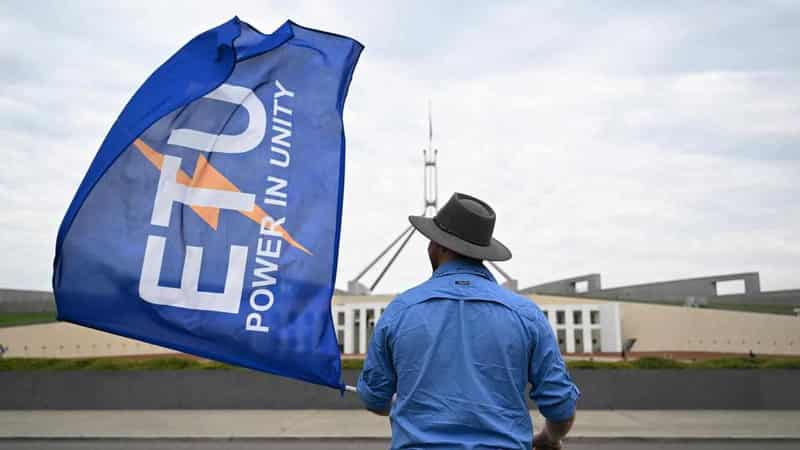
(659, 328)
(676, 328)
(65, 340)
(566, 286)
(703, 290)
(679, 290)
(240, 389)
(14, 300)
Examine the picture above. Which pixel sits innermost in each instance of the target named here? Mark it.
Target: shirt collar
(460, 265)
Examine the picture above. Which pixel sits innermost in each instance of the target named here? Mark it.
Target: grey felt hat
(464, 225)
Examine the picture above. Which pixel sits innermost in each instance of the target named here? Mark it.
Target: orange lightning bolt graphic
(206, 176)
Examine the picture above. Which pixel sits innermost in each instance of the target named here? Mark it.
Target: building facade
(584, 326)
(733, 289)
(580, 328)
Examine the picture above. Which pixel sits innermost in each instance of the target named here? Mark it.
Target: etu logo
(206, 192)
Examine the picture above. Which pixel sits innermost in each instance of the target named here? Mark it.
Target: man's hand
(543, 441)
(550, 437)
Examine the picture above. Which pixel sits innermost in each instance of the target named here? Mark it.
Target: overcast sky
(642, 142)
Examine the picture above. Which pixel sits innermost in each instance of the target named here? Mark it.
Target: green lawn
(765, 309)
(14, 319)
(649, 363)
(178, 363)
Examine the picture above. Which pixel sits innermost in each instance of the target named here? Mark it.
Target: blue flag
(209, 220)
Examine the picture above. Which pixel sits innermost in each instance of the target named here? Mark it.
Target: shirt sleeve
(378, 380)
(551, 386)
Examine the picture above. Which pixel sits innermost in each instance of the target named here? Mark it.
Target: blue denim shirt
(459, 351)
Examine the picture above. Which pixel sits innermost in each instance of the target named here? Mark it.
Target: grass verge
(652, 363)
(14, 319)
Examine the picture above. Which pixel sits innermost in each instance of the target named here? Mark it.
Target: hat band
(444, 228)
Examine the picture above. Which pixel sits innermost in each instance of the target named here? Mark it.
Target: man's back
(459, 351)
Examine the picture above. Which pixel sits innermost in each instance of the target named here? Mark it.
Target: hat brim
(495, 251)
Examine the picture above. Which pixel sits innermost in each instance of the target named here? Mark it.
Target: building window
(577, 317)
(581, 286)
(340, 318)
(596, 341)
(560, 317)
(370, 323)
(355, 330)
(594, 317)
(579, 342)
(562, 340)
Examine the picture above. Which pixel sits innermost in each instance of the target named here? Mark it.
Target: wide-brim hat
(464, 225)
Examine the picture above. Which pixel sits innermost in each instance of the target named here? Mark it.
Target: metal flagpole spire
(431, 205)
(431, 171)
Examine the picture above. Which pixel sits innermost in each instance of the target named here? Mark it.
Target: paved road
(325, 424)
(370, 444)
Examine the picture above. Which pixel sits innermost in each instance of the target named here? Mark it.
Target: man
(459, 350)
